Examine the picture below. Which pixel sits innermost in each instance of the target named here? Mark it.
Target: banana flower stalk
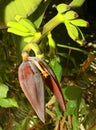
(34, 74)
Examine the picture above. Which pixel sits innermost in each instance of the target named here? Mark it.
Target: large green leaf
(10, 8)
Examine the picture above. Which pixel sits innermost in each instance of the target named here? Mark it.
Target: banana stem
(35, 48)
(32, 45)
(55, 21)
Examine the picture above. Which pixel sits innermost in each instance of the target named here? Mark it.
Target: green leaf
(71, 107)
(56, 67)
(10, 8)
(72, 93)
(3, 90)
(8, 102)
(75, 122)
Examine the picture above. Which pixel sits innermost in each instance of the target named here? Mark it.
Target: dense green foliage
(59, 33)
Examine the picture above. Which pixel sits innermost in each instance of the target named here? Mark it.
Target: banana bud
(33, 87)
(33, 74)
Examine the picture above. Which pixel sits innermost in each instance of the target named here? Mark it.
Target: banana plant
(33, 72)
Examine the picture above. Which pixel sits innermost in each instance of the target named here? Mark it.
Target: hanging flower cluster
(33, 74)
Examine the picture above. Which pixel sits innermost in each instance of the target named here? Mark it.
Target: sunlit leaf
(8, 102)
(10, 8)
(3, 90)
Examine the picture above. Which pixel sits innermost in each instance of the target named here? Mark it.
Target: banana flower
(34, 74)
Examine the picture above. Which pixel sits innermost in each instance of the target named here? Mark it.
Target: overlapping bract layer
(33, 73)
(33, 87)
